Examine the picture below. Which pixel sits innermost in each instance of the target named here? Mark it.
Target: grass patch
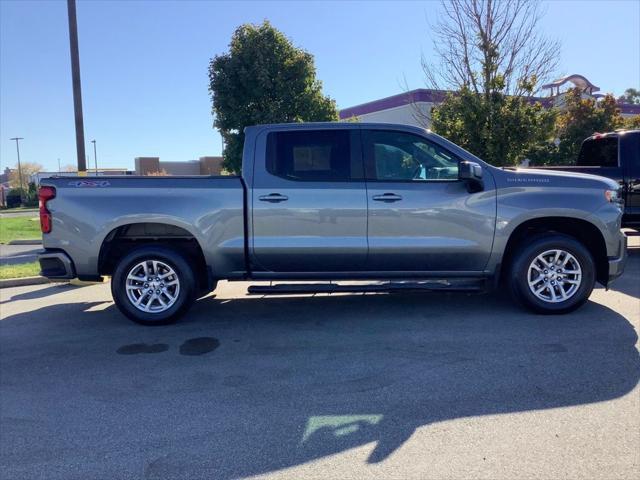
(20, 270)
(19, 228)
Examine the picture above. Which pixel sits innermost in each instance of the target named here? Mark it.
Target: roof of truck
(332, 125)
(615, 133)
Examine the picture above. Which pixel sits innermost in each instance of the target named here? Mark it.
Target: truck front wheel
(552, 274)
(153, 285)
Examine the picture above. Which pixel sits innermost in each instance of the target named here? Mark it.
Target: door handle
(387, 197)
(273, 198)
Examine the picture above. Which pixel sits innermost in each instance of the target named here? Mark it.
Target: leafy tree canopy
(582, 117)
(632, 123)
(492, 55)
(263, 78)
(500, 129)
(631, 95)
(577, 119)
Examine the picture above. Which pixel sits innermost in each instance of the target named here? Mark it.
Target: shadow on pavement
(632, 270)
(287, 380)
(40, 293)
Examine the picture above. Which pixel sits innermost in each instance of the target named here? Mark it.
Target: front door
(309, 205)
(421, 217)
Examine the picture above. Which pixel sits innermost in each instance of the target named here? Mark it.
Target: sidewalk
(12, 254)
(27, 212)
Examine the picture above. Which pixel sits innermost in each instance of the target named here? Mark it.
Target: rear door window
(313, 156)
(599, 152)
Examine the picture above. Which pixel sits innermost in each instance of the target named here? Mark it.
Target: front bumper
(57, 265)
(617, 264)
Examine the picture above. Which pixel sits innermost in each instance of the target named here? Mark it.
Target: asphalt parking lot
(342, 386)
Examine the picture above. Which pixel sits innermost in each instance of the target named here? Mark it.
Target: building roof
(578, 80)
(629, 108)
(413, 96)
(437, 96)
(405, 98)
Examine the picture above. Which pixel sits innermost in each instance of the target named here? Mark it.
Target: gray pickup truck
(373, 207)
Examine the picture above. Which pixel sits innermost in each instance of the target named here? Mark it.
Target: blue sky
(144, 65)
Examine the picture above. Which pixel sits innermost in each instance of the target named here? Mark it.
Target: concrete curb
(81, 283)
(20, 282)
(25, 242)
(23, 281)
(12, 211)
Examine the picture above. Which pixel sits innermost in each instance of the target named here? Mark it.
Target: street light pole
(95, 155)
(77, 92)
(17, 139)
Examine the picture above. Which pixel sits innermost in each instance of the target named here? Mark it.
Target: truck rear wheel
(153, 285)
(552, 274)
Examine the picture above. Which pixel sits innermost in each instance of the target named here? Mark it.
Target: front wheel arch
(580, 230)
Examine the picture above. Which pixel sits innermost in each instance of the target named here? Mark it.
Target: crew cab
(392, 206)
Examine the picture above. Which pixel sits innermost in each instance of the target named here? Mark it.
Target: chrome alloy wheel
(554, 276)
(152, 286)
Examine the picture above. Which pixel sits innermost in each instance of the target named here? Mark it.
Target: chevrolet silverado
(392, 207)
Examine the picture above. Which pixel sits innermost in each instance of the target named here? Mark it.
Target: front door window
(398, 156)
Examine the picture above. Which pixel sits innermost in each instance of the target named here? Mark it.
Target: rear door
(421, 217)
(309, 205)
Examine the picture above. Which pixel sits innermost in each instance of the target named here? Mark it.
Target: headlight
(613, 196)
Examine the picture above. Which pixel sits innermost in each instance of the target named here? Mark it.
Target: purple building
(414, 107)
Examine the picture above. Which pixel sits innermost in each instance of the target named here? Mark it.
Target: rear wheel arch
(122, 239)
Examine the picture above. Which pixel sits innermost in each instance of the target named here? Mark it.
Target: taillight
(44, 195)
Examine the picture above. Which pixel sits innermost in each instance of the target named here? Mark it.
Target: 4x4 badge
(90, 183)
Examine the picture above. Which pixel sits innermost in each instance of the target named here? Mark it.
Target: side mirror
(471, 174)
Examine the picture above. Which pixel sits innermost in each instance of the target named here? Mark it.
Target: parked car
(615, 155)
(393, 204)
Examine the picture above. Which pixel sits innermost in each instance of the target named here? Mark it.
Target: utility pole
(59, 169)
(17, 139)
(77, 92)
(95, 156)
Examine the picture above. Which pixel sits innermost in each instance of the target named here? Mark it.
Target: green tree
(491, 54)
(500, 129)
(581, 118)
(263, 78)
(632, 123)
(631, 95)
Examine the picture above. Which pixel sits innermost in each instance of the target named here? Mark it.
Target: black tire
(185, 274)
(517, 277)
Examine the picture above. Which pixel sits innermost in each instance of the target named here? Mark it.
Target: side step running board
(465, 285)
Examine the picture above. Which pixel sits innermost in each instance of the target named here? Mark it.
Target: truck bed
(87, 210)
